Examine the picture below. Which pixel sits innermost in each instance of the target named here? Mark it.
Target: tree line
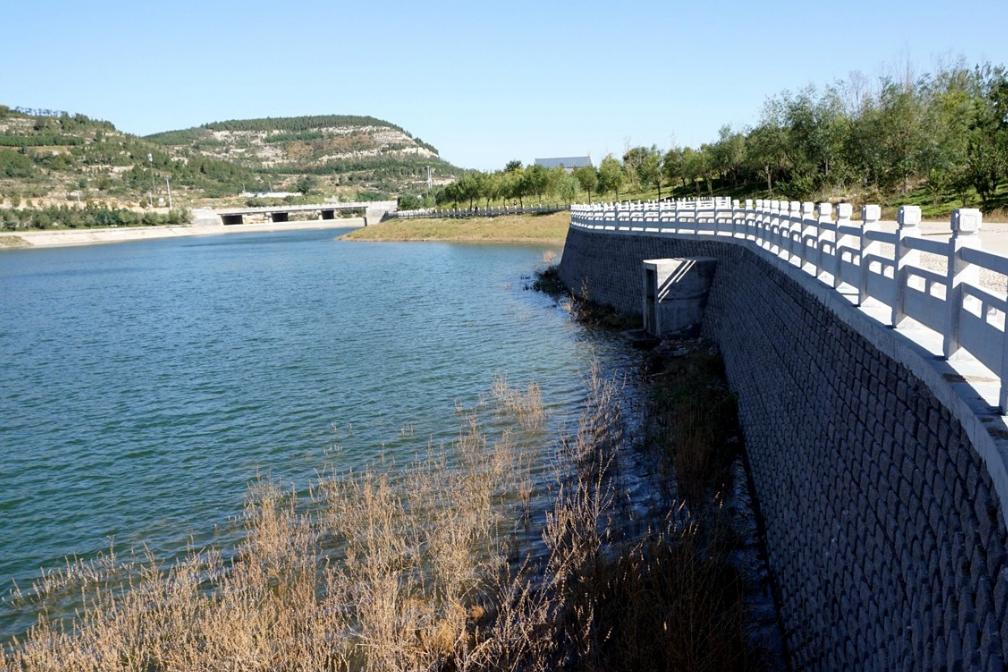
(89, 216)
(514, 183)
(303, 123)
(943, 135)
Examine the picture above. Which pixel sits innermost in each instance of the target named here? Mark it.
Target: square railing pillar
(794, 232)
(824, 215)
(750, 209)
(841, 240)
(966, 224)
(908, 217)
(810, 233)
(775, 226)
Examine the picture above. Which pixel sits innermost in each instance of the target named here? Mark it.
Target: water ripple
(146, 385)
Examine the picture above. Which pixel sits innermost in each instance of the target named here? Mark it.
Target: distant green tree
(610, 176)
(494, 187)
(696, 165)
(535, 181)
(588, 179)
(987, 142)
(513, 185)
(766, 153)
(305, 184)
(672, 166)
(567, 187)
(410, 202)
(649, 170)
(15, 164)
(728, 153)
(469, 187)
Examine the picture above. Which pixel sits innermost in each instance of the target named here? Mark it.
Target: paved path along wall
(884, 529)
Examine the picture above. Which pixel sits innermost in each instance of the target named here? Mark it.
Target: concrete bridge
(870, 368)
(370, 211)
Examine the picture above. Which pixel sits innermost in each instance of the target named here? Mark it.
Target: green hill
(52, 159)
(342, 151)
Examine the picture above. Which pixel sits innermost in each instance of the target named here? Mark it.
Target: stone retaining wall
(884, 531)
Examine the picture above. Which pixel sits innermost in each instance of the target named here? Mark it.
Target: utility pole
(168, 183)
(150, 194)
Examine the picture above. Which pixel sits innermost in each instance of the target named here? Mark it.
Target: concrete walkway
(993, 237)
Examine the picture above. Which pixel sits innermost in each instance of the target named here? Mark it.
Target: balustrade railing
(859, 259)
(460, 213)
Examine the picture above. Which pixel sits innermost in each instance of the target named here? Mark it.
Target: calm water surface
(145, 385)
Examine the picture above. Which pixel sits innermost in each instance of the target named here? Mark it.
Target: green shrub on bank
(91, 216)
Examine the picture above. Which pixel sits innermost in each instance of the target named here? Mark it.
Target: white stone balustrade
(870, 267)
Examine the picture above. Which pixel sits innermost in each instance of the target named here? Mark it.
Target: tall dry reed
(408, 569)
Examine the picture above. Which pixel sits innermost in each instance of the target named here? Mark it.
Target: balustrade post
(723, 216)
(844, 212)
(870, 216)
(773, 224)
(769, 223)
(966, 224)
(734, 218)
(766, 224)
(748, 216)
(794, 232)
(783, 225)
(784, 231)
(909, 218)
(825, 216)
(809, 230)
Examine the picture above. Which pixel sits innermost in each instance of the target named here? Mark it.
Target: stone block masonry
(885, 533)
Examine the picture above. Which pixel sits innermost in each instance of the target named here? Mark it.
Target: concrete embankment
(884, 528)
(73, 237)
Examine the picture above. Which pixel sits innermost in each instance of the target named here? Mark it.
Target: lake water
(145, 385)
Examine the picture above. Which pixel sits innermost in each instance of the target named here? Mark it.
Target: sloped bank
(884, 532)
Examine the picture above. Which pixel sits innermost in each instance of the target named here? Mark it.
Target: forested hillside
(58, 168)
(338, 151)
(62, 159)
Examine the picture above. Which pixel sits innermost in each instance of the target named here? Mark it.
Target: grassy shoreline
(550, 228)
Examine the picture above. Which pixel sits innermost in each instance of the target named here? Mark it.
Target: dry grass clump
(667, 601)
(382, 573)
(693, 417)
(408, 569)
(526, 405)
(548, 281)
(670, 603)
(587, 311)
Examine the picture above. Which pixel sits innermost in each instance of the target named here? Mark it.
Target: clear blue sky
(483, 81)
